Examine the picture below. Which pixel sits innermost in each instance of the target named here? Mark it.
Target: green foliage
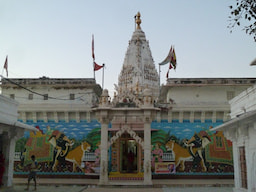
(244, 10)
(20, 144)
(94, 138)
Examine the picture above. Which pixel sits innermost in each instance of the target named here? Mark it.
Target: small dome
(147, 92)
(105, 93)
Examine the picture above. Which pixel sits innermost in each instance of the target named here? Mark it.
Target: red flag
(6, 65)
(97, 67)
(93, 56)
(173, 59)
(170, 66)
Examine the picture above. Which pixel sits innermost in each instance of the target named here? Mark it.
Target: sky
(53, 38)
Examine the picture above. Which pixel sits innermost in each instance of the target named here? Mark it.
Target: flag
(6, 65)
(93, 56)
(173, 59)
(167, 59)
(97, 67)
(170, 67)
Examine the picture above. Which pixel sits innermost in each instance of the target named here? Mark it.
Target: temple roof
(138, 71)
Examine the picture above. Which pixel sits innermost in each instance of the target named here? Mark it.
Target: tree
(244, 10)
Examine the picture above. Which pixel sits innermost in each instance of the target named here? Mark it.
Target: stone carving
(130, 132)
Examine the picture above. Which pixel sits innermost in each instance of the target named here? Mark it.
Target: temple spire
(138, 20)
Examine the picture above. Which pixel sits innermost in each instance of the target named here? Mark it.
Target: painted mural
(74, 148)
(61, 148)
(192, 147)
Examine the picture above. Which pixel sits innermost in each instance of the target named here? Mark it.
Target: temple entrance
(129, 155)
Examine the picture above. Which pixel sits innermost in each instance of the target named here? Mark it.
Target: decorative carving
(130, 132)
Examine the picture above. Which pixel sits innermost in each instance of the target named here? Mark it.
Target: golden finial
(137, 86)
(138, 21)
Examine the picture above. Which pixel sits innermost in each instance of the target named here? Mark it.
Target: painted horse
(76, 155)
(181, 154)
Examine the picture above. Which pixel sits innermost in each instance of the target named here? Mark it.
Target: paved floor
(76, 188)
(91, 185)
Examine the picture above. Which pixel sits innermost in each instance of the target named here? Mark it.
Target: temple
(144, 131)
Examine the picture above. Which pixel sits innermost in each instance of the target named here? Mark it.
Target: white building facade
(10, 131)
(85, 132)
(241, 130)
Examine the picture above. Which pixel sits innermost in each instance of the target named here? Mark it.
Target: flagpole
(159, 76)
(103, 76)
(93, 69)
(93, 57)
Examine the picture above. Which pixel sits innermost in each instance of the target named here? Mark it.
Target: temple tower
(138, 71)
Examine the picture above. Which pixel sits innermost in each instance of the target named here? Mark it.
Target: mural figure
(97, 155)
(157, 154)
(76, 155)
(61, 148)
(181, 154)
(199, 142)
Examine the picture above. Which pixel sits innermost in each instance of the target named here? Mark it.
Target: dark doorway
(128, 154)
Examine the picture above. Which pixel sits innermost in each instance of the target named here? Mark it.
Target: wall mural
(73, 148)
(190, 148)
(60, 148)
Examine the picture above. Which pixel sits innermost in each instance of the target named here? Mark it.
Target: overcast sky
(53, 38)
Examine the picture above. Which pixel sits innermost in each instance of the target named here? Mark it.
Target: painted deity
(157, 154)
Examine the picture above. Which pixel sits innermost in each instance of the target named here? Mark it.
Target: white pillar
(236, 161)
(147, 151)
(104, 153)
(8, 152)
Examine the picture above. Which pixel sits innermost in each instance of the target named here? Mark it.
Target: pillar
(9, 141)
(104, 152)
(147, 149)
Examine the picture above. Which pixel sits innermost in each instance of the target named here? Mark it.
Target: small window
(230, 95)
(45, 96)
(12, 96)
(72, 96)
(30, 96)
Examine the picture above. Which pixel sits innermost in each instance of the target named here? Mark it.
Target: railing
(89, 157)
(168, 157)
(17, 156)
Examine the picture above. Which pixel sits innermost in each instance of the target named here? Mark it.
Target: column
(88, 116)
(34, 117)
(181, 116)
(55, 116)
(236, 165)
(202, 116)
(77, 117)
(104, 152)
(169, 116)
(8, 151)
(214, 117)
(147, 149)
(45, 117)
(192, 117)
(66, 116)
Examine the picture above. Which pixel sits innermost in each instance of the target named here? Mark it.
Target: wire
(43, 95)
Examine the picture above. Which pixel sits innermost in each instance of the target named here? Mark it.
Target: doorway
(129, 156)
